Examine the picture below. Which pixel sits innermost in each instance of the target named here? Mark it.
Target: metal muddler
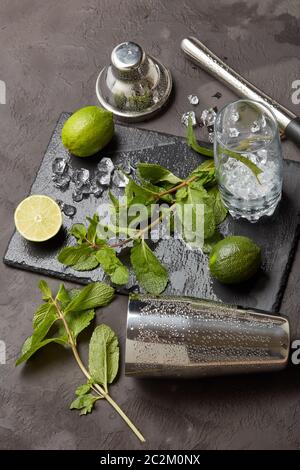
(186, 337)
(201, 55)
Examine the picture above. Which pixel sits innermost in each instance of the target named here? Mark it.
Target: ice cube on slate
(186, 116)
(119, 179)
(105, 165)
(103, 178)
(69, 210)
(86, 188)
(233, 132)
(95, 188)
(255, 127)
(61, 181)
(59, 166)
(193, 99)
(208, 116)
(77, 195)
(104, 170)
(80, 177)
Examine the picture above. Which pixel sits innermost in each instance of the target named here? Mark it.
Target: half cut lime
(38, 218)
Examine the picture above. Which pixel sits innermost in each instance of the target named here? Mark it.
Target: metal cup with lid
(135, 86)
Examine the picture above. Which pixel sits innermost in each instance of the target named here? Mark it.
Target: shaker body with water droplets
(186, 337)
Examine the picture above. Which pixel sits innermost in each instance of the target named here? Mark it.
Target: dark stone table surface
(51, 53)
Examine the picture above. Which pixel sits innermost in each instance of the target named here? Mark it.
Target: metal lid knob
(135, 86)
(127, 56)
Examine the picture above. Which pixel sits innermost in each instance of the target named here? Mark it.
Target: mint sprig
(91, 251)
(157, 185)
(60, 319)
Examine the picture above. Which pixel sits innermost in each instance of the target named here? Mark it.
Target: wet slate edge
(188, 269)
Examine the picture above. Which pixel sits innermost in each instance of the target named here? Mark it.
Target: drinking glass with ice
(248, 129)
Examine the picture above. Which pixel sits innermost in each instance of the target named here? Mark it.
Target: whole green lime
(87, 131)
(234, 259)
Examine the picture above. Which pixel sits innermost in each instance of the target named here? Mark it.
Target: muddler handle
(211, 63)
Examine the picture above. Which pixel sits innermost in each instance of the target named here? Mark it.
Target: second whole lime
(234, 259)
(88, 131)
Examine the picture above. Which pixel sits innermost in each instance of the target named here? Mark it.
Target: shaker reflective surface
(185, 337)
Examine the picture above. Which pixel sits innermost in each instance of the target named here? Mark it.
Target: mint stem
(101, 392)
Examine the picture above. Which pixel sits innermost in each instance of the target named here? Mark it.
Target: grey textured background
(50, 55)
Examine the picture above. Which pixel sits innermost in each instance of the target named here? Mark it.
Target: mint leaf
(115, 201)
(209, 221)
(205, 173)
(157, 191)
(248, 163)
(79, 232)
(74, 255)
(87, 264)
(74, 292)
(85, 403)
(112, 266)
(133, 190)
(80, 257)
(220, 211)
(63, 296)
(156, 174)
(83, 389)
(190, 200)
(104, 355)
(78, 321)
(43, 319)
(92, 228)
(45, 289)
(30, 348)
(120, 275)
(192, 142)
(43, 315)
(92, 296)
(150, 273)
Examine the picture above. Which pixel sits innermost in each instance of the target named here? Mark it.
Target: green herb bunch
(60, 319)
(157, 185)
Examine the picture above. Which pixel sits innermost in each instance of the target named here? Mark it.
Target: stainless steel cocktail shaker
(186, 337)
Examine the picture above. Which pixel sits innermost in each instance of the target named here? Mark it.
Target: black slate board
(188, 268)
